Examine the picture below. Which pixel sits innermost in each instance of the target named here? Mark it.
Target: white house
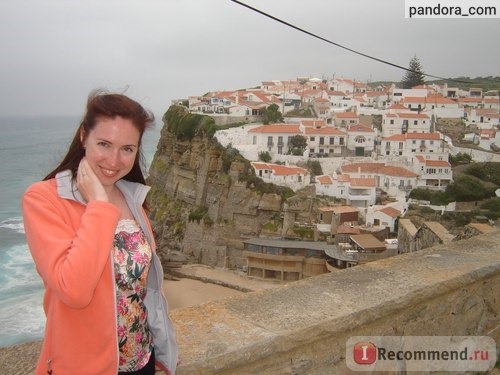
(326, 141)
(345, 119)
(293, 177)
(397, 95)
(361, 192)
(435, 174)
(361, 140)
(395, 181)
(382, 217)
(404, 122)
(358, 192)
(274, 138)
(407, 145)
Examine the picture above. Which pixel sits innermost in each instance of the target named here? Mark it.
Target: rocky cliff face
(203, 202)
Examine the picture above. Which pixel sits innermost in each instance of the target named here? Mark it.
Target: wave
(15, 223)
(21, 319)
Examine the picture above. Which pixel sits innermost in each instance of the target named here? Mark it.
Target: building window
(332, 140)
(321, 140)
(311, 139)
(415, 122)
(269, 141)
(392, 122)
(360, 139)
(254, 140)
(341, 141)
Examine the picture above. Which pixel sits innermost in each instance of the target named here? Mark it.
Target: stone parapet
(302, 327)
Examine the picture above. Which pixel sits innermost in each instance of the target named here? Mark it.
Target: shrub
(468, 188)
(197, 214)
(265, 156)
(186, 125)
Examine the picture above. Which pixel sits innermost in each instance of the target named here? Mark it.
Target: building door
(360, 151)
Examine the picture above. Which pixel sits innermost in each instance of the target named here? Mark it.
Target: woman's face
(111, 148)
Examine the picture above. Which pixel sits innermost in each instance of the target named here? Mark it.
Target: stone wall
(302, 327)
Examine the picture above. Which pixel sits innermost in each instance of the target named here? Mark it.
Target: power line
(341, 46)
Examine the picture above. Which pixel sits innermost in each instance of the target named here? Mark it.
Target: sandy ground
(191, 286)
(188, 292)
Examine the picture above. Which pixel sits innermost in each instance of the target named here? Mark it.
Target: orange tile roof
(324, 131)
(361, 128)
(277, 128)
(377, 168)
(397, 172)
(343, 178)
(324, 180)
(397, 106)
(363, 167)
(437, 163)
(319, 123)
(363, 182)
(390, 211)
(491, 100)
(429, 136)
(347, 229)
(412, 115)
(406, 136)
(280, 170)
(336, 93)
(346, 115)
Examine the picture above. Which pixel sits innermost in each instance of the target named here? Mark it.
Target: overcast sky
(53, 52)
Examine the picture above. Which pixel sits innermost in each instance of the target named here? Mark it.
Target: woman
(92, 244)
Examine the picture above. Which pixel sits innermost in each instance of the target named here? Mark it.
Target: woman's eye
(128, 149)
(103, 144)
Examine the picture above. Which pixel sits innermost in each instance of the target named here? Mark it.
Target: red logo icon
(365, 353)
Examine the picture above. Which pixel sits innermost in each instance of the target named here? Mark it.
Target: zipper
(112, 261)
(49, 366)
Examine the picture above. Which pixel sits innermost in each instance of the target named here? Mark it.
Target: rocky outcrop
(204, 200)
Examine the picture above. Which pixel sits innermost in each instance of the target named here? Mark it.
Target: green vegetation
(255, 183)
(314, 166)
(414, 76)
(298, 144)
(488, 171)
(468, 188)
(479, 182)
(198, 214)
(272, 115)
(460, 158)
(265, 156)
(186, 125)
(300, 113)
(485, 83)
(304, 232)
(434, 197)
(228, 155)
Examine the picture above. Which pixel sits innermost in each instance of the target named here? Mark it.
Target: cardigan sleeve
(69, 257)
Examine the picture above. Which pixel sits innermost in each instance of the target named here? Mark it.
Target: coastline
(190, 285)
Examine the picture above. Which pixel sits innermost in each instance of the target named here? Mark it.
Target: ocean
(30, 147)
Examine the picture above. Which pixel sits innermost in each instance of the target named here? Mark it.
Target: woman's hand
(88, 183)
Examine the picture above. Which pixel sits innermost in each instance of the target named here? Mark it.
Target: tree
(298, 144)
(272, 114)
(414, 76)
(265, 156)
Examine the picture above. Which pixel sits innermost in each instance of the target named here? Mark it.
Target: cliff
(205, 199)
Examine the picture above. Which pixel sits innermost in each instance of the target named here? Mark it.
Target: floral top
(132, 259)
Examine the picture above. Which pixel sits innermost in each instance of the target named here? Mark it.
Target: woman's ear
(82, 137)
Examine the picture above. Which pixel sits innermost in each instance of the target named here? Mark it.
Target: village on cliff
(374, 144)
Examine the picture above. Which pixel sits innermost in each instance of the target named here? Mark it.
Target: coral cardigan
(71, 244)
